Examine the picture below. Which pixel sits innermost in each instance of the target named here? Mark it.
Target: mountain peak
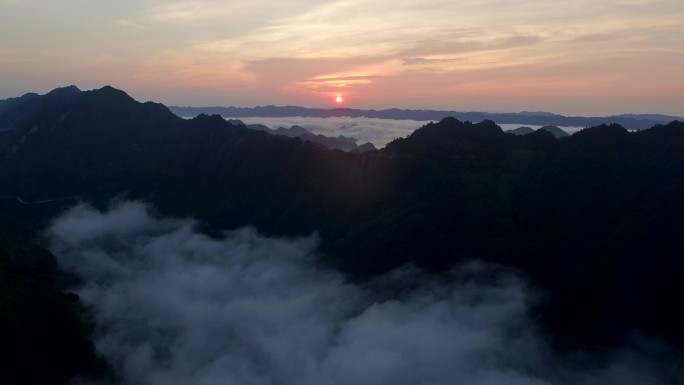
(555, 130)
(523, 130)
(65, 91)
(210, 120)
(111, 92)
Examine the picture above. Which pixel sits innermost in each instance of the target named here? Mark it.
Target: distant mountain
(556, 131)
(368, 146)
(536, 113)
(339, 143)
(594, 221)
(293, 132)
(652, 117)
(631, 122)
(521, 130)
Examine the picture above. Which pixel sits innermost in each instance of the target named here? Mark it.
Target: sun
(338, 99)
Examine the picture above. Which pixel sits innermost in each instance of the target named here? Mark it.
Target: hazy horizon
(377, 131)
(654, 116)
(571, 58)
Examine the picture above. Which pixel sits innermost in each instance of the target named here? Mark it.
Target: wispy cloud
(198, 11)
(518, 35)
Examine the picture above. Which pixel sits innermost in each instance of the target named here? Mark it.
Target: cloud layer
(377, 131)
(174, 306)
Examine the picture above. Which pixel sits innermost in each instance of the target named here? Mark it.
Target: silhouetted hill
(593, 220)
(521, 130)
(70, 91)
(556, 131)
(368, 146)
(652, 117)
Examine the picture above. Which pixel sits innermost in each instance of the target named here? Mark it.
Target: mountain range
(594, 220)
(629, 121)
(554, 130)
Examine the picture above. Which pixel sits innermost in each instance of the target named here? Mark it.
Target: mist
(373, 130)
(174, 306)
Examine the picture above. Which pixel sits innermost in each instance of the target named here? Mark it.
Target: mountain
(631, 122)
(594, 220)
(521, 131)
(652, 117)
(368, 146)
(556, 131)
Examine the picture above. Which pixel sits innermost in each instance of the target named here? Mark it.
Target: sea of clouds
(373, 130)
(173, 306)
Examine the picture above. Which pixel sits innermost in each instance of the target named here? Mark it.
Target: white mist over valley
(174, 306)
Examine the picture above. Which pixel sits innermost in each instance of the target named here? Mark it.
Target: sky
(578, 57)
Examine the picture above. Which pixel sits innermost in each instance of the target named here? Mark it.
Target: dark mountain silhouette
(653, 117)
(521, 130)
(631, 122)
(595, 220)
(556, 131)
(368, 146)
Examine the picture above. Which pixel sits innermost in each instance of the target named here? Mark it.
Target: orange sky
(572, 57)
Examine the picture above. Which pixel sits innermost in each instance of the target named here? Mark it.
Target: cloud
(184, 12)
(177, 307)
(174, 306)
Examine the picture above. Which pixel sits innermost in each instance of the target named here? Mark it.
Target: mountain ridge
(593, 220)
(629, 121)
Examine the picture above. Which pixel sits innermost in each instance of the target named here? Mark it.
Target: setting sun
(338, 99)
